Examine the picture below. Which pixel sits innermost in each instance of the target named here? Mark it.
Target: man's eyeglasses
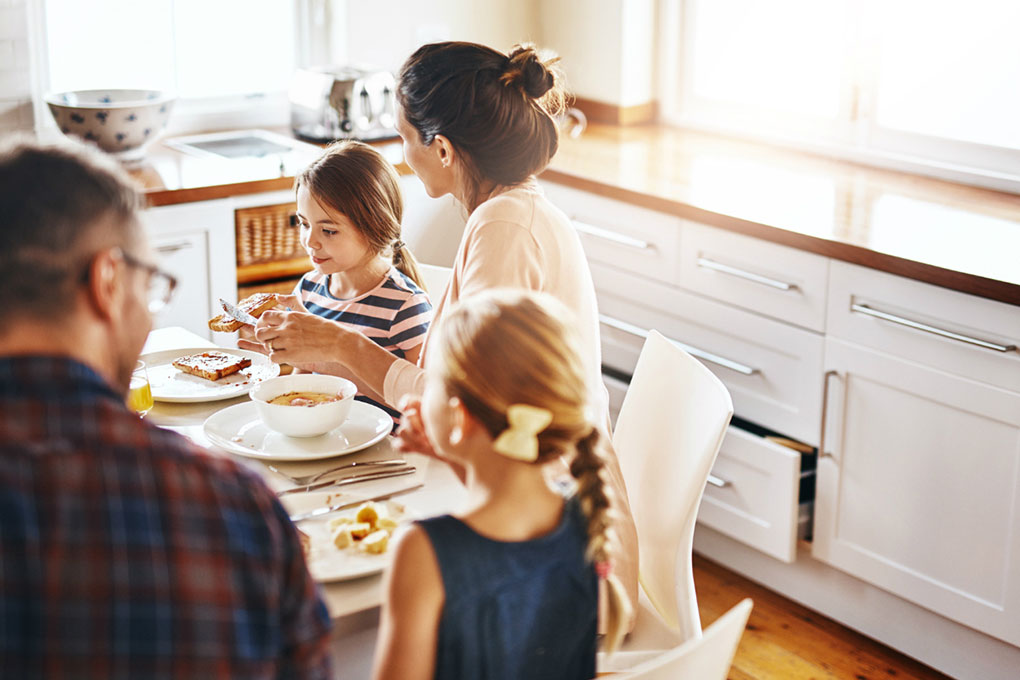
(161, 284)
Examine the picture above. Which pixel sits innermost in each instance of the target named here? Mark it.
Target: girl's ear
(461, 422)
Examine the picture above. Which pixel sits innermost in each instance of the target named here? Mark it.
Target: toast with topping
(212, 365)
(253, 304)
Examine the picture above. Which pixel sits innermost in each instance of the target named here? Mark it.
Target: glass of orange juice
(139, 397)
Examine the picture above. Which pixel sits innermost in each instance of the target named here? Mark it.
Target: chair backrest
(706, 658)
(671, 423)
(435, 278)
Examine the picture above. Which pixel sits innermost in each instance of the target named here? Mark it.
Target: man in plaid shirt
(125, 551)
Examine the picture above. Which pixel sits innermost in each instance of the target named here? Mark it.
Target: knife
(319, 512)
(344, 481)
(237, 314)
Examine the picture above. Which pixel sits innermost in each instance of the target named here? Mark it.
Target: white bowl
(120, 122)
(303, 421)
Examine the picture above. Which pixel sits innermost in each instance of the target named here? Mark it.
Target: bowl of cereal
(303, 404)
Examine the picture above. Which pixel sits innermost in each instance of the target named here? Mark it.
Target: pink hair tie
(604, 569)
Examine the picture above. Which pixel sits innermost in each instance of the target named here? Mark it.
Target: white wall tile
(8, 61)
(13, 23)
(14, 85)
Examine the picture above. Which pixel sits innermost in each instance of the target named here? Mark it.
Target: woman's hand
(297, 337)
(246, 340)
(411, 436)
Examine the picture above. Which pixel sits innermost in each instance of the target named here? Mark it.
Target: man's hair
(59, 204)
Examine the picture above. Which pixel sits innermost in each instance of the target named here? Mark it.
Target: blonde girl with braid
(507, 588)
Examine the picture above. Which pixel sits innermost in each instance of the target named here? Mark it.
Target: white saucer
(325, 561)
(172, 384)
(239, 430)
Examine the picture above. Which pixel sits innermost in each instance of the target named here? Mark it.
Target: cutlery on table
(336, 507)
(302, 480)
(238, 314)
(353, 479)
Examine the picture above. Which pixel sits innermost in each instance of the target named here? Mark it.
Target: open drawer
(755, 490)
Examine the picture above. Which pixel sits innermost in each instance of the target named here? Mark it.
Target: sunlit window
(200, 49)
(916, 83)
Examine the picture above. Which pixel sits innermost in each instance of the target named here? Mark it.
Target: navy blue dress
(522, 610)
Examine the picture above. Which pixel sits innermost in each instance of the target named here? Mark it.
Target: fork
(353, 479)
(303, 480)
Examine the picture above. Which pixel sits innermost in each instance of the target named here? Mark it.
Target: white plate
(238, 429)
(172, 384)
(326, 562)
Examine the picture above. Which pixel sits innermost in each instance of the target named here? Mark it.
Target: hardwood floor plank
(786, 641)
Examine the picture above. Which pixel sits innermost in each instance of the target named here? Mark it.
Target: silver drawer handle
(693, 351)
(822, 453)
(718, 481)
(608, 235)
(173, 247)
(744, 274)
(917, 325)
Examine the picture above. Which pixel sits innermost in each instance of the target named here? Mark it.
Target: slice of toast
(211, 365)
(253, 304)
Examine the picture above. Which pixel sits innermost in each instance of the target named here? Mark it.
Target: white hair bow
(520, 440)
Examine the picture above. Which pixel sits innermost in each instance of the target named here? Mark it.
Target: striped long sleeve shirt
(395, 314)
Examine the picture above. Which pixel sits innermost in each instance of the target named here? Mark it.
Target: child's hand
(411, 433)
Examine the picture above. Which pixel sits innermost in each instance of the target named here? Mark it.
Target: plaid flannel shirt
(128, 552)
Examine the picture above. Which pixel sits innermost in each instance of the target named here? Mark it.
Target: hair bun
(526, 70)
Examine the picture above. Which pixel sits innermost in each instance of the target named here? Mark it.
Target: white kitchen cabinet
(771, 369)
(919, 486)
(766, 278)
(195, 243)
(185, 256)
(753, 493)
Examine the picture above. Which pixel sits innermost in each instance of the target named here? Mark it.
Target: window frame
(854, 136)
(312, 44)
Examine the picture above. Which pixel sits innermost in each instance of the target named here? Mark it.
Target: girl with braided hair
(508, 587)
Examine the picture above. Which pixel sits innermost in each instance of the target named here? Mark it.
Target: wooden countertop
(947, 234)
(939, 232)
(169, 176)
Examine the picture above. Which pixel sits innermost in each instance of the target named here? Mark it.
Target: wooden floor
(785, 641)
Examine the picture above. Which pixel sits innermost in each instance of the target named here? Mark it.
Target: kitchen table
(351, 603)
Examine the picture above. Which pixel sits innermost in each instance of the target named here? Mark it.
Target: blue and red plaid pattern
(128, 552)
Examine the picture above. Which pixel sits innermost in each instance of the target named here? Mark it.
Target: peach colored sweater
(517, 239)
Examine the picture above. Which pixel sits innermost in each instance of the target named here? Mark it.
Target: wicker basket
(267, 234)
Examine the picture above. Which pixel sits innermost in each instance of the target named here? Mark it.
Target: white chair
(706, 658)
(669, 430)
(435, 278)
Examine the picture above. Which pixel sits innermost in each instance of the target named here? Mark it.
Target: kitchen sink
(235, 144)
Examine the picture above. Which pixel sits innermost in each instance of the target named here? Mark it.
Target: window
(227, 57)
(924, 85)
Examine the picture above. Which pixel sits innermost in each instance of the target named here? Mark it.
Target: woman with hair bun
(479, 124)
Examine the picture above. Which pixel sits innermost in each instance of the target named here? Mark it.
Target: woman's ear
(444, 150)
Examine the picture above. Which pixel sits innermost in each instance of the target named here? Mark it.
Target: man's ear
(103, 288)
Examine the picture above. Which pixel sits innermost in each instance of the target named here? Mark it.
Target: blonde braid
(594, 496)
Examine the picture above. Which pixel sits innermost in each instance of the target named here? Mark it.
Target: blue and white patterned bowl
(120, 122)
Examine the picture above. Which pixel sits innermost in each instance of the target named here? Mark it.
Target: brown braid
(594, 495)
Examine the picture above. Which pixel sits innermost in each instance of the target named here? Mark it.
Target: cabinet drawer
(620, 234)
(754, 494)
(957, 333)
(186, 257)
(781, 282)
(772, 370)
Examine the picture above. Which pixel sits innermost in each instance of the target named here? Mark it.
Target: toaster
(343, 102)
